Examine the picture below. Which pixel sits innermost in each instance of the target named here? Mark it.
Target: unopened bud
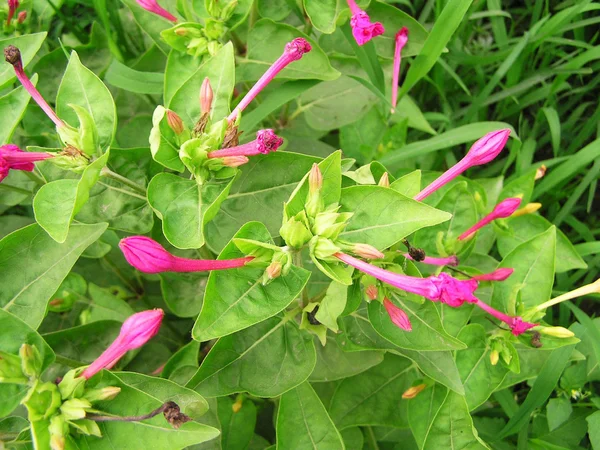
(237, 406)
(31, 360)
(372, 292)
(57, 442)
(527, 209)
(540, 172)
(235, 161)
(74, 408)
(174, 122)
(384, 181)
(412, 392)
(315, 179)
(367, 251)
(494, 357)
(274, 270)
(206, 96)
(98, 395)
(180, 31)
(558, 332)
(21, 17)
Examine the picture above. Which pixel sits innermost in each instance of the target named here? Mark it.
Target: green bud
(330, 224)
(322, 248)
(213, 29)
(558, 332)
(98, 395)
(213, 47)
(84, 138)
(72, 385)
(10, 369)
(42, 401)
(75, 408)
(58, 430)
(31, 360)
(295, 233)
(71, 158)
(220, 9)
(87, 427)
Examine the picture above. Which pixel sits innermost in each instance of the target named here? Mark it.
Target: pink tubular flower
(497, 275)
(398, 316)
(154, 7)
(135, 332)
(401, 40)
(12, 157)
(294, 50)
(516, 324)
(13, 56)
(148, 256)
(481, 152)
(502, 210)
(363, 29)
(12, 8)
(447, 261)
(266, 141)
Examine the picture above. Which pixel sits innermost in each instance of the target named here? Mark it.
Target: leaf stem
(121, 179)
(111, 418)
(371, 438)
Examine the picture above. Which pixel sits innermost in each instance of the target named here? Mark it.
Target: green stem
(371, 438)
(297, 260)
(121, 179)
(35, 177)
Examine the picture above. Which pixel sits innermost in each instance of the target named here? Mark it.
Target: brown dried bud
(200, 126)
(174, 415)
(12, 55)
(417, 254)
(311, 316)
(232, 136)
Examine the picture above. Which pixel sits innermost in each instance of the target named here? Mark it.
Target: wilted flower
(401, 40)
(502, 210)
(154, 7)
(481, 152)
(363, 29)
(397, 315)
(294, 50)
(148, 256)
(12, 157)
(135, 332)
(266, 141)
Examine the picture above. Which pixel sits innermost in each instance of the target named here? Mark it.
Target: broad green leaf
(10, 223)
(183, 364)
(383, 216)
(266, 42)
(372, 397)
(220, 70)
(237, 428)
(183, 292)
(56, 203)
(360, 139)
(427, 333)
(533, 262)
(303, 422)
(558, 411)
(139, 394)
(12, 109)
(255, 196)
(478, 375)
(16, 333)
(81, 87)
(423, 409)
(437, 365)
(265, 360)
(594, 429)
(185, 207)
(324, 14)
(335, 363)
(11, 430)
(358, 333)
(106, 306)
(28, 282)
(408, 185)
(523, 228)
(274, 9)
(235, 299)
(29, 44)
(121, 76)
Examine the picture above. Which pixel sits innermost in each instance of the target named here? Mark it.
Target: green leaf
(594, 429)
(303, 422)
(407, 109)
(408, 185)
(235, 299)
(533, 262)
(332, 305)
(443, 29)
(478, 375)
(140, 394)
(360, 139)
(438, 365)
(371, 398)
(237, 427)
(185, 207)
(28, 283)
(106, 306)
(274, 9)
(80, 86)
(56, 203)
(183, 292)
(121, 76)
(28, 44)
(284, 354)
(12, 109)
(324, 14)
(266, 42)
(383, 216)
(423, 409)
(220, 70)
(523, 228)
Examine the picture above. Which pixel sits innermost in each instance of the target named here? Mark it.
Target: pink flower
(447, 261)
(401, 40)
(12, 8)
(502, 210)
(481, 152)
(154, 7)
(135, 332)
(12, 157)
(362, 28)
(516, 324)
(13, 56)
(148, 256)
(294, 50)
(266, 141)
(398, 316)
(497, 275)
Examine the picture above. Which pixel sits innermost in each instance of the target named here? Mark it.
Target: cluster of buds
(277, 261)
(194, 39)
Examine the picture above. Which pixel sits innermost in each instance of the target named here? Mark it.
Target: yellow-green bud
(323, 248)
(31, 360)
(494, 357)
(98, 395)
(75, 408)
(294, 233)
(384, 181)
(558, 332)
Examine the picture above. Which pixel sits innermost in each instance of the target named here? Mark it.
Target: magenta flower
(363, 29)
(398, 316)
(12, 157)
(135, 332)
(12, 8)
(148, 256)
(154, 7)
(401, 40)
(294, 50)
(447, 261)
(481, 152)
(497, 275)
(13, 56)
(266, 141)
(502, 210)
(516, 324)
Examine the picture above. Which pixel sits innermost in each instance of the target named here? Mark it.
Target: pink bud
(12, 8)
(174, 121)
(367, 251)
(398, 316)
(296, 49)
(502, 210)
(153, 7)
(401, 40)
(206, 96)
(315, 178)
(274, 270)
(266, 141)
(135, 332)
(21, 17)
(372, 292)
(235, 161)
(497, 275)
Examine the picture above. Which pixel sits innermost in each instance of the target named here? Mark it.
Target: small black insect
(311, 316)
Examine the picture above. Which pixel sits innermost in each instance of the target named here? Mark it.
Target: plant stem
(121, 179)
(104, 418)
(35, 177)
(371, 438)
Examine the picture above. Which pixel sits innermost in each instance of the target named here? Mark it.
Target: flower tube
(502, 210)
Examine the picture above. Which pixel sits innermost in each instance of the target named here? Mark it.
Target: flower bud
(497, 275)
(527, 209)
(540, 172)
(75, 408)
(412, 392)
(235, 161)
(494, 357)
(323, 248)
(98, 395)
(181, 31)
(488, 147)
(294, 233)
(384, 181)
(558, 332)
(146, 255)
(315, 179)
(206, 96)
(398, 316)
(274, 270)
(367, 251)
(58, 429)
(175, 122)
(21, 17)
(372, 292)
(31, 360)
